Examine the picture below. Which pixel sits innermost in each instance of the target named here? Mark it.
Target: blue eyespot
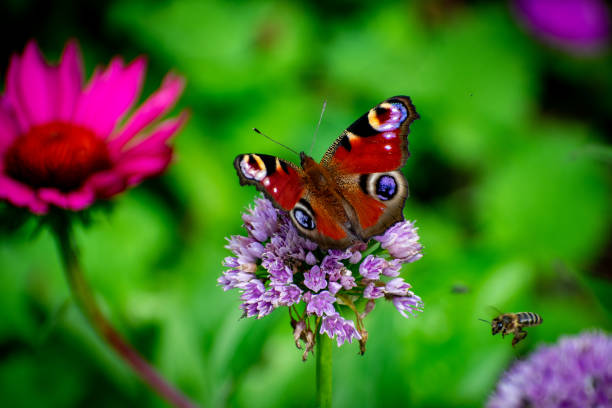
(386, 187)
(303, 219)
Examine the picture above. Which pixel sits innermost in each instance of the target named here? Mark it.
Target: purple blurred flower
(575, 372)
(577, 26)
(274, 266)
(402, 242)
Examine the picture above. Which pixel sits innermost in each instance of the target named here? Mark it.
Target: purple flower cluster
(274, 266)
(576, 372)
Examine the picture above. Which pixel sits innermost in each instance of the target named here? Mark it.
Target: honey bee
(513, 323)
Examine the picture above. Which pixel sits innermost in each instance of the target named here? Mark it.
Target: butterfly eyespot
(387, 116)
(253, 167)
(386, 187)
(302, 218)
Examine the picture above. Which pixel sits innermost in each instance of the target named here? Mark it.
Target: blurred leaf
(543, 197)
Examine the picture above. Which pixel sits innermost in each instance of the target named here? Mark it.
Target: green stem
(324, 371)
(84, 298)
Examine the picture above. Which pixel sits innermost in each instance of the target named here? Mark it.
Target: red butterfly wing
(376, 142)
(279, 180)
(287, 187)
(365, 161)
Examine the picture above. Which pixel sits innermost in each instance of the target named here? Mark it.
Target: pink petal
(36, 87)
(159, 136)
(70, 80)
(107, 184)
(156, 105)
(14, 95)
(138, 168)
(151, 156)
(8, 126)
(73, 200)
(109, 96)
(20, 195)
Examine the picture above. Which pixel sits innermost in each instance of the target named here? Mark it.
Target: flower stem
(324, 371)
(84, 298)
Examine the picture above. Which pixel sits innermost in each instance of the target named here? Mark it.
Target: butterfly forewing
(280, 180)
(366, 159)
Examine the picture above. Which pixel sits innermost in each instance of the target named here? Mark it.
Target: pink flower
(67, 145)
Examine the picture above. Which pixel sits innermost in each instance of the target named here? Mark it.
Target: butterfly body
(356, 192)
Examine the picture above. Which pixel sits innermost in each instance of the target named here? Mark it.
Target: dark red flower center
(59, 155)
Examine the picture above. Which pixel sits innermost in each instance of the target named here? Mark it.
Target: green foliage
(513, 205)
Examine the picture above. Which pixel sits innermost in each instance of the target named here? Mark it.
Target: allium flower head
(66, 145)
(274, 266)
(575, 372)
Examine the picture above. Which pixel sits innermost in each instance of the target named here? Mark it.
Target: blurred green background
(510, 186)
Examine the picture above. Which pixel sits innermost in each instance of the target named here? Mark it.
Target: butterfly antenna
(317, 129)
(275, 141)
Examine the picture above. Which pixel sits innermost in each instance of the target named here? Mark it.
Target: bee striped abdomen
(529, 319)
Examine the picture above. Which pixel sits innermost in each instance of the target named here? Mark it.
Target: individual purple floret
(321, 304)
(261, 220)
(372, 291)
(273, 266)
(397, 287)
(315, 279)
(253, 291)
(575, 372)
(344, 330)
(392, 268)
(246, 249)
(411, 303)
(402, 242)
(372, 267)
(288, 294)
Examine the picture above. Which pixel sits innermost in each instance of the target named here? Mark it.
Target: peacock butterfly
(356, 192)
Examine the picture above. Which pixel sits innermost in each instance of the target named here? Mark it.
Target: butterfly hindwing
(365, 161)
(329, 228)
